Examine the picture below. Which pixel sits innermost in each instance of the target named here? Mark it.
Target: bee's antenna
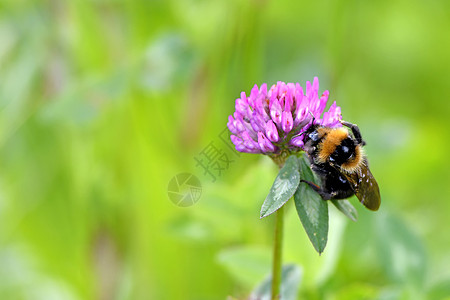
(313, 118)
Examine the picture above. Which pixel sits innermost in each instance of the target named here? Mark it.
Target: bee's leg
(355, 131)
(320, 170)
(320, 191)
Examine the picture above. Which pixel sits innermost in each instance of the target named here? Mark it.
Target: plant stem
(276, 266)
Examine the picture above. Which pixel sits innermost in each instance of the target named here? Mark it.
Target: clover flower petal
(270, 120)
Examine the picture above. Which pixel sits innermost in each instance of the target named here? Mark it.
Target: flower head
(269, 121)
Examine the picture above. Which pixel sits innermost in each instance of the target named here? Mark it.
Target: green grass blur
(103, 102)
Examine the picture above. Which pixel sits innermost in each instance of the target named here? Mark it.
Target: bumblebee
(337, 157)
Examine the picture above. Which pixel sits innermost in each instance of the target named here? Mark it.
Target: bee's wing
(365, 187)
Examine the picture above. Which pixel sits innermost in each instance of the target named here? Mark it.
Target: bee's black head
(311, 133)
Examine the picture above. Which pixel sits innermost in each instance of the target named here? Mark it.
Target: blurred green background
(103, 102)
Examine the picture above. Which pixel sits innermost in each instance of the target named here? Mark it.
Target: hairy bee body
(338, 159)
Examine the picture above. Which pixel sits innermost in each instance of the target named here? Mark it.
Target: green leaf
(401, 251)
(246, 264)
(290, 282)
(311, 208)
(440, 290)
(283, 187)
(346, 208)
